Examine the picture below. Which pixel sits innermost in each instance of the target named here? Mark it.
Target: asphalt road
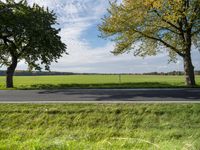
(101, 96)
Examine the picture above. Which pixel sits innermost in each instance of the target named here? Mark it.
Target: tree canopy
(152, 26)
(28, 33)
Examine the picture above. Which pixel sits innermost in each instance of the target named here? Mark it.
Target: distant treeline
(169, 73)
(36, 73)
(45, 73)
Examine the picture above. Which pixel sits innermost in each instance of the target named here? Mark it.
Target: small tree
(28, 33)
(155, 26)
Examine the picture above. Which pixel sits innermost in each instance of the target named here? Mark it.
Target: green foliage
(100, 126)
(28, 33)
(97, 81)
(151, 26)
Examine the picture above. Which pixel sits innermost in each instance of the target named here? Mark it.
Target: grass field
(100, 127)
(96, 81)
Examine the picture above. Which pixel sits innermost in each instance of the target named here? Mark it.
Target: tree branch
(166, 21)
(6, 41)
(163, 42)
(195, 32)
(165, 28)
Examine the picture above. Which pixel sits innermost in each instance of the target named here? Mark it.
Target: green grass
(100, 127)
(96, 81)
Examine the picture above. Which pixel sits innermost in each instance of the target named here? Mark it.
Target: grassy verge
(97, 81)
(102, 126)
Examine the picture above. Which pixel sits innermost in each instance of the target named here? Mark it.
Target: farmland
(96, 81)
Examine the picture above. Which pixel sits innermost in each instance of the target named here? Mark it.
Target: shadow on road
(120, 95)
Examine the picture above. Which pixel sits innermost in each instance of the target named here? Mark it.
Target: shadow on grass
(106, 86)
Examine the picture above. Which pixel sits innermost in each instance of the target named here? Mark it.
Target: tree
(152, 26)
(28, 33)
(3, 9)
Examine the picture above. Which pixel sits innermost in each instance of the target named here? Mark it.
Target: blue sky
(78, 20)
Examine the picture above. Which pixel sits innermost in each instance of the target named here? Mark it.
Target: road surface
(101, 96)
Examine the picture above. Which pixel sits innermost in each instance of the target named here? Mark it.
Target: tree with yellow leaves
(152, 26)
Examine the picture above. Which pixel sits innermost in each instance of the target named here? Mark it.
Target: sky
(78, 20)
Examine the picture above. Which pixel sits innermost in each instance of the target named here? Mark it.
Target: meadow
(100, 126)
(97, 81)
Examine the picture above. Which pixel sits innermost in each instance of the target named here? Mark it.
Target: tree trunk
(189, 70)
(10, 73)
